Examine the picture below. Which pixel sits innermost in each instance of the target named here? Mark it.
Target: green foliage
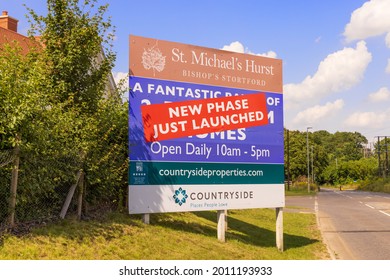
(107, 165)
(20, 106)
(297, 153)
(376, 185)
(77, 52)
(56, 98)
(350, 171)
(18, 94)
(337, 158)
(250, 236)
(381, 151)
(87, 124)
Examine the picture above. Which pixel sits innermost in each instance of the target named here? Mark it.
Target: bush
(376, 185)
(349, 172)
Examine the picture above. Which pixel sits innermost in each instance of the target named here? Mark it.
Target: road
(355, 225)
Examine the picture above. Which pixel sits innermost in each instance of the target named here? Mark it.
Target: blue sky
(336, 54)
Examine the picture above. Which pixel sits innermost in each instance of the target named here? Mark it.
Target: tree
(18, 94)
(20, 104)
(350, 171)
(81, 116)
(57, 116)
(381, 153)
(348, 145)
(74, 38)
(336, 157)
(297, 153)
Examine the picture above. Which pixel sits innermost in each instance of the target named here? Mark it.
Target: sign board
(205, 129)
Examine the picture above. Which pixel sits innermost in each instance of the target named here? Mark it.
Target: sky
(336, 54)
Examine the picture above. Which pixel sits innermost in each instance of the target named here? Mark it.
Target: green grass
(293, 192)
(300, 189)
(181, 236)
(376, 185)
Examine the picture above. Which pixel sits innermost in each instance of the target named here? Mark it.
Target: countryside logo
(152, 58)
(180, 196)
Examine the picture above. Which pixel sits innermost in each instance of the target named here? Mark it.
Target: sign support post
(279, 228)
(146, 218)
(221, 218)
(226, 220)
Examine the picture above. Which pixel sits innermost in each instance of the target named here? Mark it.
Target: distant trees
(350, 171)
(334, 158)
(381, 151)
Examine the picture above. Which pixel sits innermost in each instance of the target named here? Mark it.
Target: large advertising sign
(205, 129)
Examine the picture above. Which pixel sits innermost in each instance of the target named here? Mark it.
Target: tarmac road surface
(355, 225)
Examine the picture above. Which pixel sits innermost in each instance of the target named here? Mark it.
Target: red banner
(188, 118)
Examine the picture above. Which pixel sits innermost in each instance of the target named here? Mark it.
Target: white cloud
(338, 71)
(316, 113)
(239, 48)
(361, 120)
(234, 47)
(382, 94)
(270, 54)
(371, 19)
(388, 66)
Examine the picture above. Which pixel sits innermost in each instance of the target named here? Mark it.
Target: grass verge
(171, 236)
(376, 185)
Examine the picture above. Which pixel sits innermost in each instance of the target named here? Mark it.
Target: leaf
(153, 59)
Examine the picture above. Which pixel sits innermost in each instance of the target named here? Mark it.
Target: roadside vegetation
(185, 236)
(375, 185)
(300, 188)
(61, 122)
(336, 159)
(60, 127)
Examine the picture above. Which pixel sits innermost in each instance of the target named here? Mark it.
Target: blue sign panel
(261, 144)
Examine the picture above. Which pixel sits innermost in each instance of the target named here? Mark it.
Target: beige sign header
(158, 59)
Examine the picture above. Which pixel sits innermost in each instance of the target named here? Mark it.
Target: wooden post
(80, 197)
(221, 225)
(279, 228)
(146, 218)
(70, 196)
(226, 220)
(14, 184)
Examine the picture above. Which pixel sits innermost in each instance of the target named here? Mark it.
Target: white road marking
(383, 212)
